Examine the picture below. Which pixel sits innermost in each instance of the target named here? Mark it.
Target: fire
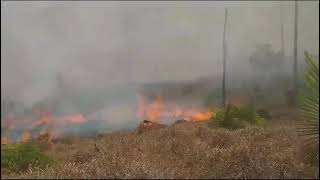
(5, 140)
(45, 135)
(45, 118)
(158, 109)
(25, 136)
(155, 110)
(45, 127)
(76, 119)
(200, 116)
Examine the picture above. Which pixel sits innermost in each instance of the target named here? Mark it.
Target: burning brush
(45, 128)
(158, 110)
(146, 125)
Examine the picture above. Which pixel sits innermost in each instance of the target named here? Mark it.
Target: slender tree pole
(282, 39)
(315, 29)
(224, 48)
(282, 31)
(295, 55)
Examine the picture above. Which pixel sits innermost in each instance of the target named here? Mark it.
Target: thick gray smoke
(100, 52)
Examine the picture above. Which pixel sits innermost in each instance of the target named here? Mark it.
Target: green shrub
(264, 114)
(18, 157)
(309, 106)
(233, 117)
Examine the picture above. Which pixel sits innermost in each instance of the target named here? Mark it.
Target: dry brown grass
(185, 150)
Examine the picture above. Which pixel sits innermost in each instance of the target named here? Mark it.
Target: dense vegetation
(234, 117)
(19, 157)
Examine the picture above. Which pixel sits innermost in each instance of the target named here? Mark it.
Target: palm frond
(309, 109)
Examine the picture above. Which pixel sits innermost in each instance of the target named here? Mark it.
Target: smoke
(102, 51)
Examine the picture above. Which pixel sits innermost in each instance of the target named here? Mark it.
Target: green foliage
(234, 117)
(264, 113)
(309, 106)
(18, 157)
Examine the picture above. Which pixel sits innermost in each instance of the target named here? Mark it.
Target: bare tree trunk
(295, 55)
(282, 40)
(224, 60)
(316, 29)
(282, 32)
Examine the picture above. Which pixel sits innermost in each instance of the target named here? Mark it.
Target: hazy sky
(101, 44)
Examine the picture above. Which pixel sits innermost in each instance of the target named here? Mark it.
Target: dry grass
(184, 150)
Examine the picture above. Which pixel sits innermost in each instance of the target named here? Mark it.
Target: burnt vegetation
(262, 125)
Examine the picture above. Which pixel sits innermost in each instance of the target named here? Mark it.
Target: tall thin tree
(316, 30)
(224, 48)
(295, 55)
(281, 31)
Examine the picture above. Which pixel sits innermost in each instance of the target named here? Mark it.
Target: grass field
(186, 150)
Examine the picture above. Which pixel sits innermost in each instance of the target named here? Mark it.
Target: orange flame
(5, 140)
(201, 116)
(25, 136)
(76, 119)
(157, 110)
(48, 124)
(45, 118)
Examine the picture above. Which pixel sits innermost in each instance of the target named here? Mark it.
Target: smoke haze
(106, 46)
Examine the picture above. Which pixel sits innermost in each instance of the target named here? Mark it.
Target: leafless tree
(224, 48)
(295, 55)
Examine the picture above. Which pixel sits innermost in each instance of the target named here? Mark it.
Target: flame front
(46, 126)
(45, 118)
(25, 136)
(158, 109)
(155, 110)
(200, 116)
(5, 140)
(76, 119)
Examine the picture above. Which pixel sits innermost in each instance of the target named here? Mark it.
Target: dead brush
(148, 125)
(186, 150)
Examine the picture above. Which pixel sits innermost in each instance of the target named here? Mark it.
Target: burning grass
(185, 150)
(159, 109)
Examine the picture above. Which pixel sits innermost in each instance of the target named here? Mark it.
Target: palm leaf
(309, 108)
